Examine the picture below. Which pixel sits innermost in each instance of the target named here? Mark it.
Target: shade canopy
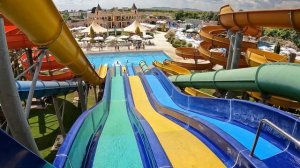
(98, 38)
(97, 28)
(191, 31)
(147, 36)
(124, 37)
(86, 39)
(131, 28)
(136, 38)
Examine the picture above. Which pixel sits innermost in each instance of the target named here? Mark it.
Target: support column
(230, 52)
(59, 118)
(30, 60)
(10, 100)
(236, 50)
(33, 85)
(81, 94)
(95, 93)
(292, 57)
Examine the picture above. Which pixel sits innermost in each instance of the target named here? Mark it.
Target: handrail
(275, 127)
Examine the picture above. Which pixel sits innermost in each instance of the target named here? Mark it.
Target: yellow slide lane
(182, 148)
(171, 68)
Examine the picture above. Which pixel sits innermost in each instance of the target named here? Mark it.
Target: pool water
(126, 57)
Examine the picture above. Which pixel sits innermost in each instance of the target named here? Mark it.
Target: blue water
(124, 58)
(264, 148)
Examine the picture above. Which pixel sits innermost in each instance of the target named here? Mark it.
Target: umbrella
(86, 39)
(147, 37)
(110, 38)
(120, 40)
(191, 31)
(136, 38)
(123, 37)
(98, 38)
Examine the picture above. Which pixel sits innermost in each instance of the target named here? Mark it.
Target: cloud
(197, 4)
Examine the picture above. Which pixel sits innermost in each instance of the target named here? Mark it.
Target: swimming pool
(126, 57)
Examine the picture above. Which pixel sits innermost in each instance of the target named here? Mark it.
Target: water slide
(182, 148)
(214, 36)
(111, 135)
(191, 66)
(102, 71)
(130, 70)
(257, 57)
(229, 124)
(44, 89)
(57, 37)
(16, 39)
(171, 69)
(248, 22)
(270, 79)
(195, 92)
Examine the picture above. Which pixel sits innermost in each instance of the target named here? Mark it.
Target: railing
(275, 127)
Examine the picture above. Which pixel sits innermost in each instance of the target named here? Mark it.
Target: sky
(208, 5)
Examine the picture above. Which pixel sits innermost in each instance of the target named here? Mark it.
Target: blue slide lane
(264, 148)
(130, 70)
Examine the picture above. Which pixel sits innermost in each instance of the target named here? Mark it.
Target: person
(118, 47)
(144, 46)
(128, 46)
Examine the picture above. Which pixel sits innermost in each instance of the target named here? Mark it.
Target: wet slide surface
(117, 146)
(264, 148)
(182, 148)
(130, 70)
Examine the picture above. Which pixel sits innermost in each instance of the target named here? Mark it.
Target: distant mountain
(169, 8)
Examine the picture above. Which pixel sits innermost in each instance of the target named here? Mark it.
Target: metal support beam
(59, 115)
(30, 60)
(10, 100)
(87, 89)
(81, 94)
(230, 52)
(236, 50)
(95, 93)
(33, 85)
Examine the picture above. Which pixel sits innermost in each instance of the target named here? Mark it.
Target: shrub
(183, 42)
(176, 45)
(189, 45)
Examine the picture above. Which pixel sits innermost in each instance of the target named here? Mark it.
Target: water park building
(113, 18)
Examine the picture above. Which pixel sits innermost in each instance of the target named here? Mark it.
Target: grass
(44, 124)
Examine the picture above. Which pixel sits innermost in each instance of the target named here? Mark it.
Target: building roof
(93, 10)
(134, 7)
(98, 7)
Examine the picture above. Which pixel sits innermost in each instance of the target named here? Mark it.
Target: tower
(134, 9)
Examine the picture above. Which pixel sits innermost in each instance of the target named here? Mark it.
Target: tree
(277, 48)
(163, 27)
(138, 31)
(92, 34)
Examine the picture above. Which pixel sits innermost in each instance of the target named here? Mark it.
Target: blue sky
(197, 4)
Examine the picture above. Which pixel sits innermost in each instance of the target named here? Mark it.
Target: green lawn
(44, 124)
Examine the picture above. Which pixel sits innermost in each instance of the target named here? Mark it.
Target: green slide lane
(117, 146)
